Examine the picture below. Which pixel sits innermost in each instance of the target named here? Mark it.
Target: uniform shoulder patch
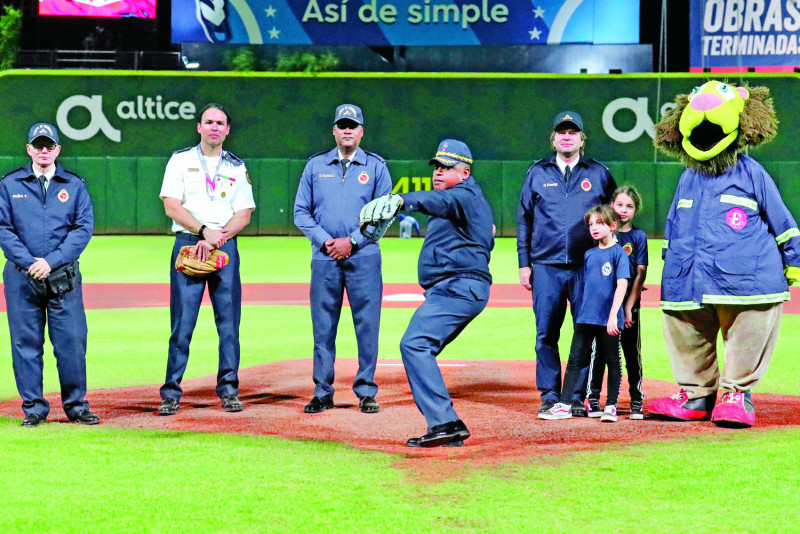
(317, 154)
(376, 156)
(534, 164)
(12, 172)
(234, 159)
(183, 150)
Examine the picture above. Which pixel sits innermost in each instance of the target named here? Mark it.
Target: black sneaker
(578, 409)
(369, 405)
(169, 407)
(546, 405)
(595, 410)
(318, 405)
(636, 410)
(231, 403)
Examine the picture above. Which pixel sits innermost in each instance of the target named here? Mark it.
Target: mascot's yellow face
(710, 123)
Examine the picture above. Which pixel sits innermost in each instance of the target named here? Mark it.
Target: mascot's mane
(757, 125)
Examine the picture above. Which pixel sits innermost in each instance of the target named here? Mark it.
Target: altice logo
(143, 108)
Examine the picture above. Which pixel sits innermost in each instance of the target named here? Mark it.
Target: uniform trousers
(449, 307)
(361, 277)
(552, 287)
(186, 295)
(28, 312)
(630, 339)
(749, 333)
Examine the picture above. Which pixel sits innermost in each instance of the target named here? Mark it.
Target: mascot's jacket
(550, 227)
(727, 239)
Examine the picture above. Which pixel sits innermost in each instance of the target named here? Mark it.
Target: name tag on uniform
(550, 185)
(327, 175)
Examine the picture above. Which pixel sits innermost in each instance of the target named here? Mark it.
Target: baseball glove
(191, 266)
(378, 215)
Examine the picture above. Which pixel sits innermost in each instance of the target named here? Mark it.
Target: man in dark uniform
(335, 185)
(454, 271)
(551, 241)
(46, 221)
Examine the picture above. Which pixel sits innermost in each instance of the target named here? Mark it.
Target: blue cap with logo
(570, 117)
(43, 129)
(348, 112)
(452, 152)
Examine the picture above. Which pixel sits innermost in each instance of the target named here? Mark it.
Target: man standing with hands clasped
(453, 270)
(551, 241)
(335, 185)
(46, 221)
(207, 193)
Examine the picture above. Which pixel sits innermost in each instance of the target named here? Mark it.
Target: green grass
(63, 478)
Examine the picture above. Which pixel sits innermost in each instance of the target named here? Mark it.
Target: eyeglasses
(42, 146)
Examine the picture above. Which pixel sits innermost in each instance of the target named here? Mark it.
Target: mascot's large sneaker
(735, 410)
(680, 407)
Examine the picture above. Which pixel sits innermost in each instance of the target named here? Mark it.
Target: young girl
(606, 271)
(626, 204)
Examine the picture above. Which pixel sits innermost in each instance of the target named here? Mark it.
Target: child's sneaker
(636, 410)
(557, 411)
(594, 408)
(609, 414)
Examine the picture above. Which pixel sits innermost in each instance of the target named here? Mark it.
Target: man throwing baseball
(207, 193)
(453, 270)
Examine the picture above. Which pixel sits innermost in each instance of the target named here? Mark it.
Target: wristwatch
(201, 230)
(354, 243)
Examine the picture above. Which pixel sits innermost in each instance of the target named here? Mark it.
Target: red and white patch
(363, 177)
(628, 248)
(736, 218)
(586, 185)
(63, 196)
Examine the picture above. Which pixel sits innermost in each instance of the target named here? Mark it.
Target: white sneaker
(609, 414)
(558, 411)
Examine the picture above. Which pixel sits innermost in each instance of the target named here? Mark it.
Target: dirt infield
(496, 399)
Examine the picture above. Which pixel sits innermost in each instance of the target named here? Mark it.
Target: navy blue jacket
(57, 229)
(459, 238)
(327, 204)
(550, 227)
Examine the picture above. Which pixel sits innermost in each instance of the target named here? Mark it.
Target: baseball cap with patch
(452, 152)
(568, 117)
(42, 129)
(348, 112)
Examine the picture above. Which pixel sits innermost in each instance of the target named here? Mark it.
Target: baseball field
(272, 468)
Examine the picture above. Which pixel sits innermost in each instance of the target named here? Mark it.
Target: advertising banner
(731, 34)
(405, 22)
(291, 116)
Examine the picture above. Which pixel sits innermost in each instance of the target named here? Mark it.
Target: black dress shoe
(318, 405)
(578, 409)
(231, 403)
(415, 442)
(86, 418)
(452, 432)
(33, 420)
(369, 405)
(169, 407)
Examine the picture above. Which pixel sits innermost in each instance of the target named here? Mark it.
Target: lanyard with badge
(211, 182)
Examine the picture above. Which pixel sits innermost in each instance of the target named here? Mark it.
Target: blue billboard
(405, 22)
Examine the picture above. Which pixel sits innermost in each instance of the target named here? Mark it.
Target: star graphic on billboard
(270, 11)
(535, 34)
(538, 13)
(274, 33)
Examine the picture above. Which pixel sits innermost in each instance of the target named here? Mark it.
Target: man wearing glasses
(334, 186)
(46, 221)
(552, 240)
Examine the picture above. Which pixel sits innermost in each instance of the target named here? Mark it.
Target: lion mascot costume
(731, 249)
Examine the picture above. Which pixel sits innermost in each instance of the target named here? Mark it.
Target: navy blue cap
(348, 112)
(570, 117)
(452, 152)
(43, 129)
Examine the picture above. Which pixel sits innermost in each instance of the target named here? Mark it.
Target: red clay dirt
(496, 399)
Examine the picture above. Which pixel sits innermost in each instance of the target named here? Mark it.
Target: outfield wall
(119, 128)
